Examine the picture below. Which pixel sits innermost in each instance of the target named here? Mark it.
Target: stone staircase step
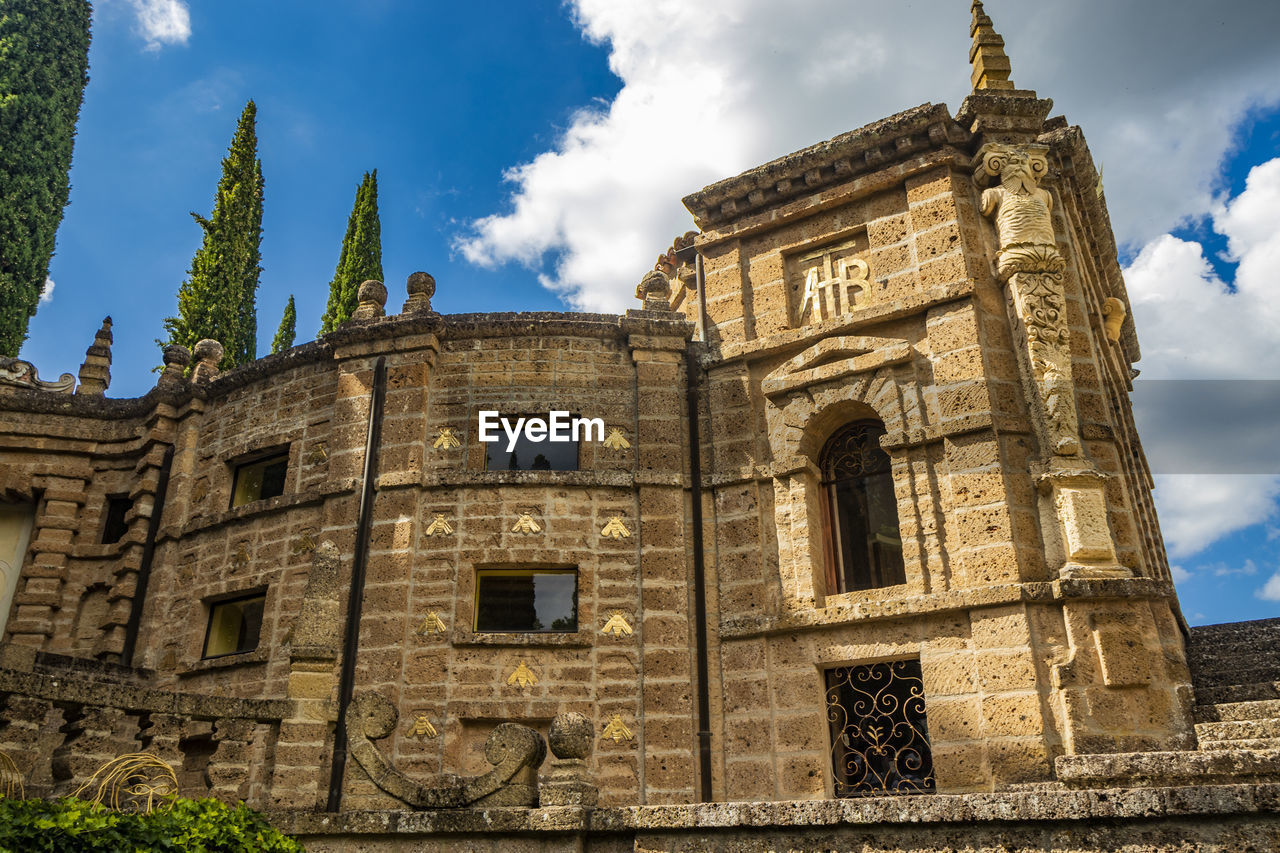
(1263, 709)
(1161, 769)
(1234, 654)
(1237, 693)
(1246, 743)
(1238, 730)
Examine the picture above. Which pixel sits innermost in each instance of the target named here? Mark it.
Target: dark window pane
(234, 626)
(862, 511)
(259, 480)
(273, 478)
(114, 528)
(529, 455)
(526, 600)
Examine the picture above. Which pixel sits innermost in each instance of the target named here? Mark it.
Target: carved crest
(446, 439)
(305, 543)
(617, 625)
(421, 728)
(431, 624)
(617, 730)
(522, 677)
(615, 529)
(439, 526)
(616, 440)
(527, 524)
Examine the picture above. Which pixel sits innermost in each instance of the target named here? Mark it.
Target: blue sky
(532, 156)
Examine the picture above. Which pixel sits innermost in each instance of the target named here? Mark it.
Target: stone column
(667, 669)
(1073, 504)
(229, 765)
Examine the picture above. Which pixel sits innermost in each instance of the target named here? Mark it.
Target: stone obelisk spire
(991, 68)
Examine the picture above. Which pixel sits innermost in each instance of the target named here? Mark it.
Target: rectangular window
(879, 737)
(261, 479)
(528, 455)
(234, 625)
(114, 528)
(527, 601)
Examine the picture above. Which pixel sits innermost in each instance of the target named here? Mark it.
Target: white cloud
(1270, 591)
(1180, 575)
(1197, 510)
(708, 92)
(1191, 324)
(1222, 570)
(163, 22)
(46, 292)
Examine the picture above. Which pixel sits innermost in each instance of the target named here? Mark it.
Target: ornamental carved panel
(828, 282)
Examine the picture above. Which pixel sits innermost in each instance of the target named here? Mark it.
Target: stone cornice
(867, 149)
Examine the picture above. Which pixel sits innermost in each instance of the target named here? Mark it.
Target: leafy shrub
(70, 825)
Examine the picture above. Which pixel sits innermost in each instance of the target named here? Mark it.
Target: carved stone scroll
(515, 751)
(22, 374)
(1029, 261)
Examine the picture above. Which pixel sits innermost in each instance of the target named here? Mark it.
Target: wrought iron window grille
(879, 735)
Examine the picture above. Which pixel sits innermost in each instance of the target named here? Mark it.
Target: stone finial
(176, 358)
(655, 290)
(421, 287)
(373, 299)
(95, 373)
(991, 67)
(568, 783)
(208, 354)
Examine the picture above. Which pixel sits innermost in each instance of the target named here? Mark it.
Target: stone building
(853, 506)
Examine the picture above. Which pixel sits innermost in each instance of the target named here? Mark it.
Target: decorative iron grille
(879, 737)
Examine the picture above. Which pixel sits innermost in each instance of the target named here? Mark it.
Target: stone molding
(869, 148)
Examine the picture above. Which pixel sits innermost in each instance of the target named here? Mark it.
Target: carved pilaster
(1032, 267)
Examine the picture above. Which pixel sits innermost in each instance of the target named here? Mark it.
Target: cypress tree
(360, 258)
(288, 323)
(44, 62)
(217, 299)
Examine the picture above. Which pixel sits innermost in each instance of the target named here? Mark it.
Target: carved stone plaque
(828, 282)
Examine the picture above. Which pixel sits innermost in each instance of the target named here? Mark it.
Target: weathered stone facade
(950, 280)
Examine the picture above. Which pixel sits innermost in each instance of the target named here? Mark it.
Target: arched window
(865, 548)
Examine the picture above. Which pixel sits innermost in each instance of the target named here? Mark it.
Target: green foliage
(217, 299)
(288, 328)
(360, 258)
(187, 826)
(44, 62)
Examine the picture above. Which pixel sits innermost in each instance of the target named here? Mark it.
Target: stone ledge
(1038, 806)
(970, 598)
(254, 509)
(69, 685)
